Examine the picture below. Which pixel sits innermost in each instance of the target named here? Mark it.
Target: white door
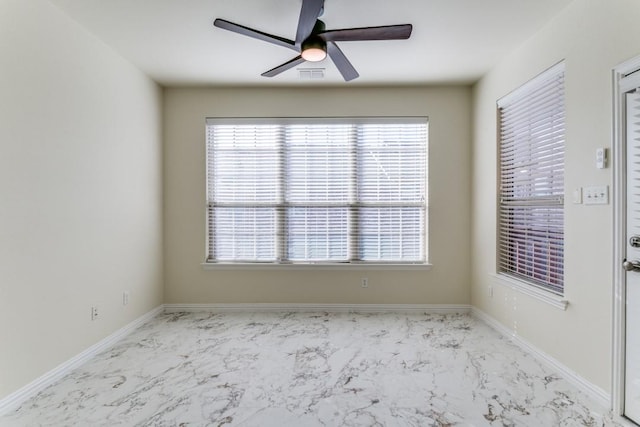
(632, 263)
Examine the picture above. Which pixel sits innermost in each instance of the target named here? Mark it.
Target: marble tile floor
(311, 369)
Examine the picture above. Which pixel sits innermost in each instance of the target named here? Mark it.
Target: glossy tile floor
(311, 369)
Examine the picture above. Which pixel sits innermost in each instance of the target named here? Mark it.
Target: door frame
(622, 83)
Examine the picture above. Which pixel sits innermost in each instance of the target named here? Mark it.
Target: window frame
(423, 263)
(547, 198)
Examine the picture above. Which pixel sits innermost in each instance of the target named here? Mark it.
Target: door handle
(631, 265)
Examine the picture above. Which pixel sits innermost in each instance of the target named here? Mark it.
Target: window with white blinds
(317, 190)
(531, 193)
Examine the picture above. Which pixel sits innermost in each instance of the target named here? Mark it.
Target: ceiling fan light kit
(313, 42)
(314, 49)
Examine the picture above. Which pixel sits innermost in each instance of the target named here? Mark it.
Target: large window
(531, 208)
(317, 190)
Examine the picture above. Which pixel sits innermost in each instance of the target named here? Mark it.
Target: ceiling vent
(311, 73)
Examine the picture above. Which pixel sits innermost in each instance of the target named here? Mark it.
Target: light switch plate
(596, 195)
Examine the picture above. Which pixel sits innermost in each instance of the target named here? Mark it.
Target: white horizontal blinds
(317, 182)
(391, 188)
(317, 190)
(242, 191)
(531, 214)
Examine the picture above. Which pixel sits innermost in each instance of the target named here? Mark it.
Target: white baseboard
(18, 397)
(332, 308)
(593, 391)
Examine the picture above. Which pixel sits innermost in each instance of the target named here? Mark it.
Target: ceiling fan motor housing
(318, 28)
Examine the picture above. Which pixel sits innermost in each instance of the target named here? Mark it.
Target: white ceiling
(175, 42)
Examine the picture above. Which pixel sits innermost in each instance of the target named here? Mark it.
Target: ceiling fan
(314, 42)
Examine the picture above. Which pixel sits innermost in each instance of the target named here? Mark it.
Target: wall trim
(593, 391)
(624, 79)
(333, 308)
(20, 396)
(531, 290)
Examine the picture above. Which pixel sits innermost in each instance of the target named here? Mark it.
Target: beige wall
(80, 191)
(593, 36)
(447, 282)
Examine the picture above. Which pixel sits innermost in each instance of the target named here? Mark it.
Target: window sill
(312, 266)
(556, 301)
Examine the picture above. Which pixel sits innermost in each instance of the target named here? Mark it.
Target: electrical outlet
(125, 298)
(490, 291)
(94, 313)
(364, 282)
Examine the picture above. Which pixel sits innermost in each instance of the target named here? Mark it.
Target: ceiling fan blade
(284, 67)
(246, 31)
(309, 13)
(342, 63)
(387, 32)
